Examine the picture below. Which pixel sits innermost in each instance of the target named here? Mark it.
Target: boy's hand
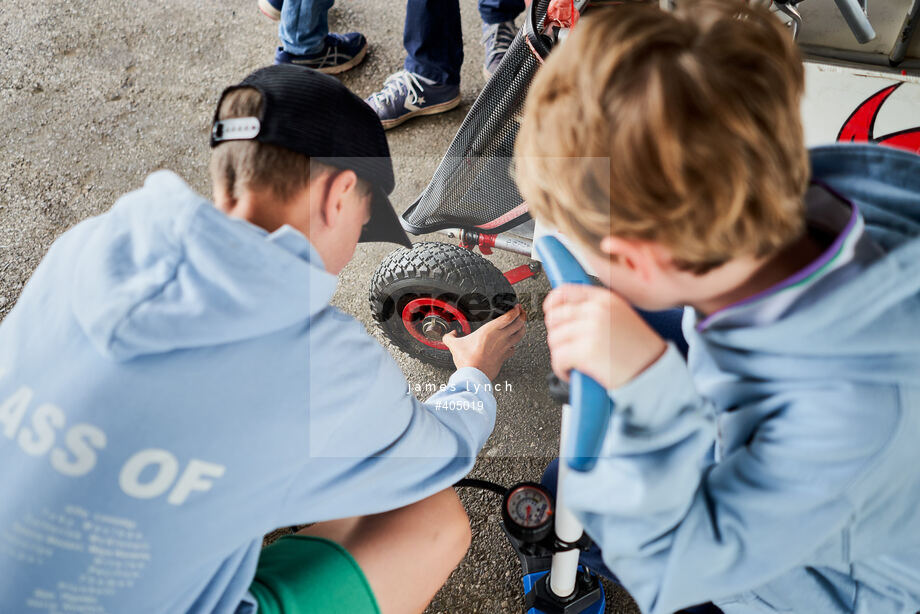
(490, 346)
(594, 331)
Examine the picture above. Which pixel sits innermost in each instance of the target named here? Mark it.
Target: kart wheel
(420, 294)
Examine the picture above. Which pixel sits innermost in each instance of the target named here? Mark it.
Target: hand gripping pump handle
(591, 405)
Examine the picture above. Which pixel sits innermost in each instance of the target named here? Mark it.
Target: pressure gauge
(527, 511)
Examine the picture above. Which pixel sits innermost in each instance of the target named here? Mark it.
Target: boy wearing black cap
(174, 384)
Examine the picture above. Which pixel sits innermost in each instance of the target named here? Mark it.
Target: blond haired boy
(775, 470)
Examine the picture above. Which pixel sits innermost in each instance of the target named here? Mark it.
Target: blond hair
(695, 117)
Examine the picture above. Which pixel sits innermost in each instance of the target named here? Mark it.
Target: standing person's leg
(498, 30)
(306, 40)
(390, 562)
(304, 25)
(497, 11)
(433, 40)
(429, 83)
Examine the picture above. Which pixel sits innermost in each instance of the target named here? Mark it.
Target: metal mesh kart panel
(473, 186)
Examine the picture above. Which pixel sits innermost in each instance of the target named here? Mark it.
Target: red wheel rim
(417, 310)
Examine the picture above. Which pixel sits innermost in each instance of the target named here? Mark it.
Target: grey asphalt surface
(96, 95)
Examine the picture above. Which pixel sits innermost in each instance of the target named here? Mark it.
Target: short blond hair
(695, 115)
(250, 165)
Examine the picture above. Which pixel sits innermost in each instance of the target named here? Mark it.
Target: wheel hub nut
(434, 327)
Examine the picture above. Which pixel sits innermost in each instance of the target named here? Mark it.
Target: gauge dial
(528, 507)
(528, 511)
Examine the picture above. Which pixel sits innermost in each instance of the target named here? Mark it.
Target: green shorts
(299, 574)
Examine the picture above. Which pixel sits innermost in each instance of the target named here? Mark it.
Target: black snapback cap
(312, 113)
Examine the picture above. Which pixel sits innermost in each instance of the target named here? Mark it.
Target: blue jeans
(432, 36)
(304, 25)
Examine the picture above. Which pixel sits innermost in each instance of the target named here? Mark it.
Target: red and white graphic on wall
(860, 126)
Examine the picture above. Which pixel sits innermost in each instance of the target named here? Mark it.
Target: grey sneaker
(497, 38)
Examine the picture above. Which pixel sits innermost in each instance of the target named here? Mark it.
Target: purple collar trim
(826, 257)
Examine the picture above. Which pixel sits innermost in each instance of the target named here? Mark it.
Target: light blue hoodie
(814, 504)
(173, 385)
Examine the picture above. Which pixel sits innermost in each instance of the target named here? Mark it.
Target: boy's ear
(337, 187)
(636, 255)
(223, 199)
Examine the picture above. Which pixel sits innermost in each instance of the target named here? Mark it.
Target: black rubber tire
(456, 275)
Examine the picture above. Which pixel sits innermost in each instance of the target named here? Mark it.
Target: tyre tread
(462, 269)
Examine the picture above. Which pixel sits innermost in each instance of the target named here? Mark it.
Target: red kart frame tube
(485, 242)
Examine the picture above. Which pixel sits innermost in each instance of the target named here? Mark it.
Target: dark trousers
(432, 36)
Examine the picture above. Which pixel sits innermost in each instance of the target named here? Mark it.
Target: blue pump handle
(590, 402)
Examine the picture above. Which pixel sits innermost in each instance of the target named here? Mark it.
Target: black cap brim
(384, 226)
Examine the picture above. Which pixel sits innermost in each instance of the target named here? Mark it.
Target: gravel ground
(96, 95)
